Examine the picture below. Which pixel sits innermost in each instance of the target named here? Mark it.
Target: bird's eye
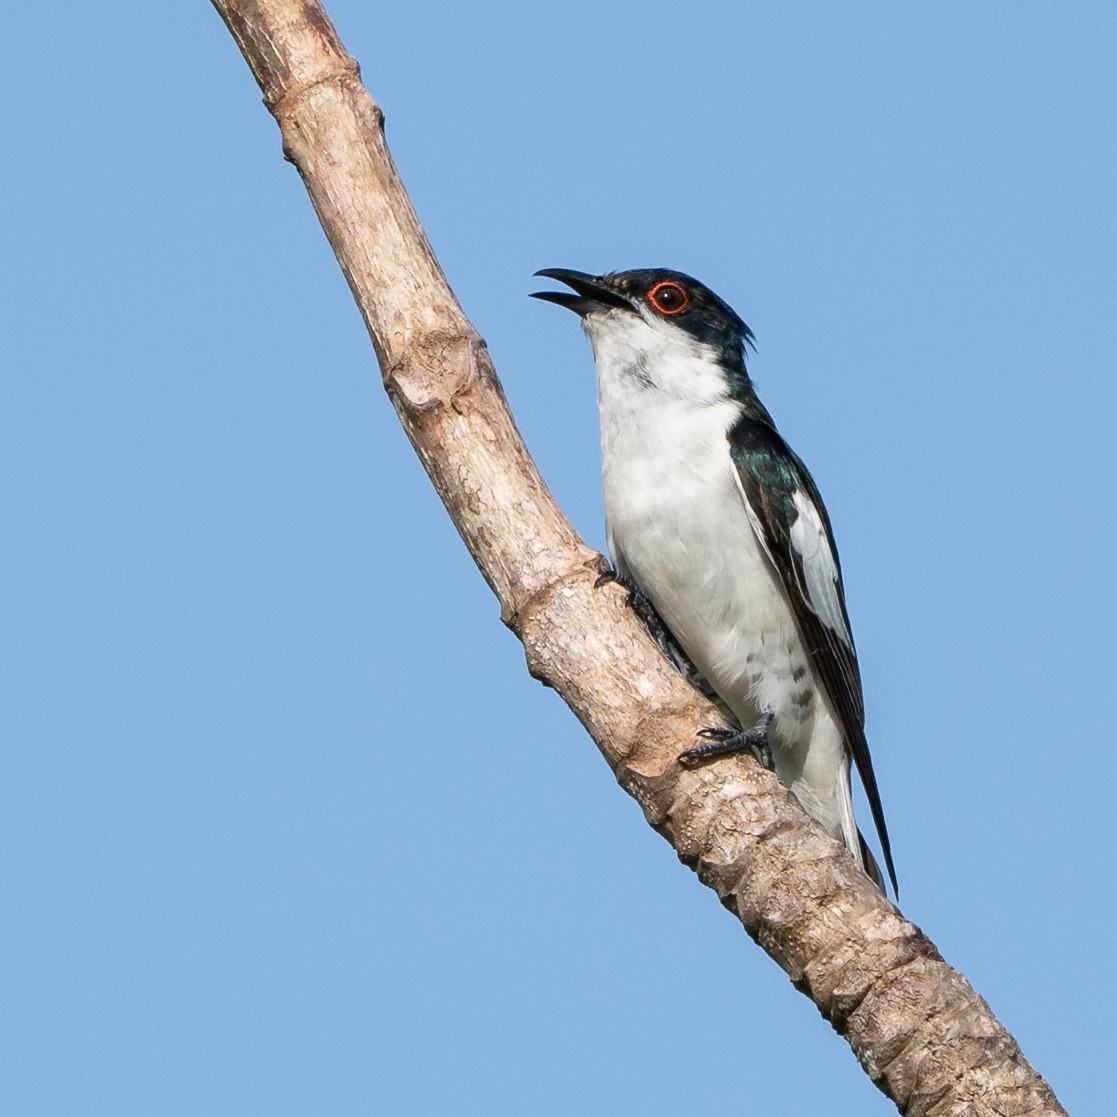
(669, 298)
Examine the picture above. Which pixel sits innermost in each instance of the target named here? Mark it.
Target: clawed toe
(725, 742)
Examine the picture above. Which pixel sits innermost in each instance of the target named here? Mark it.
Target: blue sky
(286, 827)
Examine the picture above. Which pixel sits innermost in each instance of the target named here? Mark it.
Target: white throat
(665, 413)
(632, 350)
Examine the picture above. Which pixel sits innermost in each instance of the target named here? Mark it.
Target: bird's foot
(646, 611)
(725, 741)
(642, 607)
(605, 573)
(653, 622)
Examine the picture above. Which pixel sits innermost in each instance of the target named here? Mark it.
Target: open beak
(590, 292)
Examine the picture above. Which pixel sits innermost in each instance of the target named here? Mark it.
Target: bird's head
(656, 321)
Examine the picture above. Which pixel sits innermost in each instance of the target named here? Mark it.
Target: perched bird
(713, 519)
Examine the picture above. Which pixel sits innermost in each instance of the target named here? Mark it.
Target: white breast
(675, 519)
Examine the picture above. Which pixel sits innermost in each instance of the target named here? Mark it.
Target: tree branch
(915, 1024)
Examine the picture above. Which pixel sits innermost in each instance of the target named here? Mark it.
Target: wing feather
(791, 523)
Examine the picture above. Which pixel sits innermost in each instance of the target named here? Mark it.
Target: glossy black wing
(791, 522)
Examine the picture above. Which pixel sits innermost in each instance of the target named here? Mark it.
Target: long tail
(851, 835)
(869, 864)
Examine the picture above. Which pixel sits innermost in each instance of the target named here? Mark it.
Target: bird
(715, 522)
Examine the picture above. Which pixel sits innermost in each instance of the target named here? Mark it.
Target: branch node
(285, 100)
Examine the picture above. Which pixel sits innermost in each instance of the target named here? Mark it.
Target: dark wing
(791, 522)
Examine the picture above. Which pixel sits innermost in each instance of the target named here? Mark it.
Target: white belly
(678, 529)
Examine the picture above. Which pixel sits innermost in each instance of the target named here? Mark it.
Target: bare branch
(915, 1024)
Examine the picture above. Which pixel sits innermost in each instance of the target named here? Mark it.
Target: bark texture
(917, 1027)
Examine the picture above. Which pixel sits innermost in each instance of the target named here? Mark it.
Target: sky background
(285, 826)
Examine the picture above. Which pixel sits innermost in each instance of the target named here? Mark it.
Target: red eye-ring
(669, 298)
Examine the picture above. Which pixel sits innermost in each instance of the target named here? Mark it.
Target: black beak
(590, 292)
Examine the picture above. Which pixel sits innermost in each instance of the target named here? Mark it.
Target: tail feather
(851, 836)
(869, 863)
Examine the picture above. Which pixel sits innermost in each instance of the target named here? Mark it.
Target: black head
(658, 292)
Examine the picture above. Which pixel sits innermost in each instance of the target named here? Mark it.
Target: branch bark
(917, 1027)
